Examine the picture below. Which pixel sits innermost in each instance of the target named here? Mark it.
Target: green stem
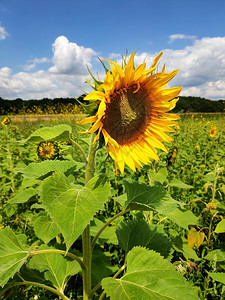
(214, 190)
(86, 236)
(115, 276)
(100, 284)
(80, 148)
(71, 255)
(105, 225)
(43, 286)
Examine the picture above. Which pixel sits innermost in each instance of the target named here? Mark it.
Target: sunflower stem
(86, 237)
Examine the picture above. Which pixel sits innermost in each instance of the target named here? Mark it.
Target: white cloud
(69, 58)
(179, 36)
(3, 33)
(32, 63)
(66, 78)
(202, 70)
(201, 65)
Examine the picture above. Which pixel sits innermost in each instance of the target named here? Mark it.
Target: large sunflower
(132, 112)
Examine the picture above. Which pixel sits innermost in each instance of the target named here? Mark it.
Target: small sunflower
(48, 150)
(212, 132)
(6, 121)
(132, 113)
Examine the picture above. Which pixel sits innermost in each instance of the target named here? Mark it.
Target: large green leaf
(180, 184)
(100, 266)
(183, 218)
(13, 254)
(148, 276)
(37, 170)
(55, 133)
(23, 196)
(220, 227)
(44, 228)
(70, 208)
(216, 255)
(140, 233)
(218, 277)
(55, 266)
(141, 196)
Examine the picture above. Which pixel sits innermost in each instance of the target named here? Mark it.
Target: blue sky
(45, 45)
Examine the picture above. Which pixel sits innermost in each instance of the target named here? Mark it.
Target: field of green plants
(157, 233)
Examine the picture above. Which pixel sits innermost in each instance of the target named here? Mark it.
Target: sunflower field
(95, 212)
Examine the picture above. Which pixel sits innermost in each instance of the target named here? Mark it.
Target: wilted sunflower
(6, 120)
(132, 112)
(48, 150)
(212, 132)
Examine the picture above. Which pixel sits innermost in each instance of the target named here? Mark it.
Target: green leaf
(56, 267)
(37, 170)
(23, 196)
(140, 233)
(108, 233)
(180, 244)
(183, 218)
(13, 254)
(161, 176)
(220, 228)
(218, 277)
(216, 255)
(100, 267)
(148, 276)
(178, 183)
(55, 133)
(70, 208)
(140, 196)
(44, 228)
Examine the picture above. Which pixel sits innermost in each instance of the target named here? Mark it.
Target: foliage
(72, 106)
(156, 234)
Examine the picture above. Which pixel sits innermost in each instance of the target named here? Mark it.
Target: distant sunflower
(212, 132)
(132, 112)
(6, 120)
(48, 150)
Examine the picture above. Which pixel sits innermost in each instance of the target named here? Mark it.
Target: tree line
(72, 105)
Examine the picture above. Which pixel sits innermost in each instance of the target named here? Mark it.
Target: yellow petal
(156, 59)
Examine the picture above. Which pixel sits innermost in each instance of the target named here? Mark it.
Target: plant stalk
(80, 148)
(106, 224)
(71, 255)
(86, 236)
(43, 286)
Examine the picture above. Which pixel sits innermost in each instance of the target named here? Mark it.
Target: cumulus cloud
(201, 65)
(3, 33)
(202, 70)
(179, 36)
(70, 58)
(66, 78)
(32, 63)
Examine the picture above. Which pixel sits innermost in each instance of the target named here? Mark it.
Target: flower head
(48, 150)
(6, 120)
(132, 113)
(212, 132)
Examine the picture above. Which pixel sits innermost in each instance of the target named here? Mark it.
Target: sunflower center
(127, 115)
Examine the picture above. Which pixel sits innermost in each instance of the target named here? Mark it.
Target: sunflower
(212, 132)
(6, 120)
(48, 150)
(132, 112)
